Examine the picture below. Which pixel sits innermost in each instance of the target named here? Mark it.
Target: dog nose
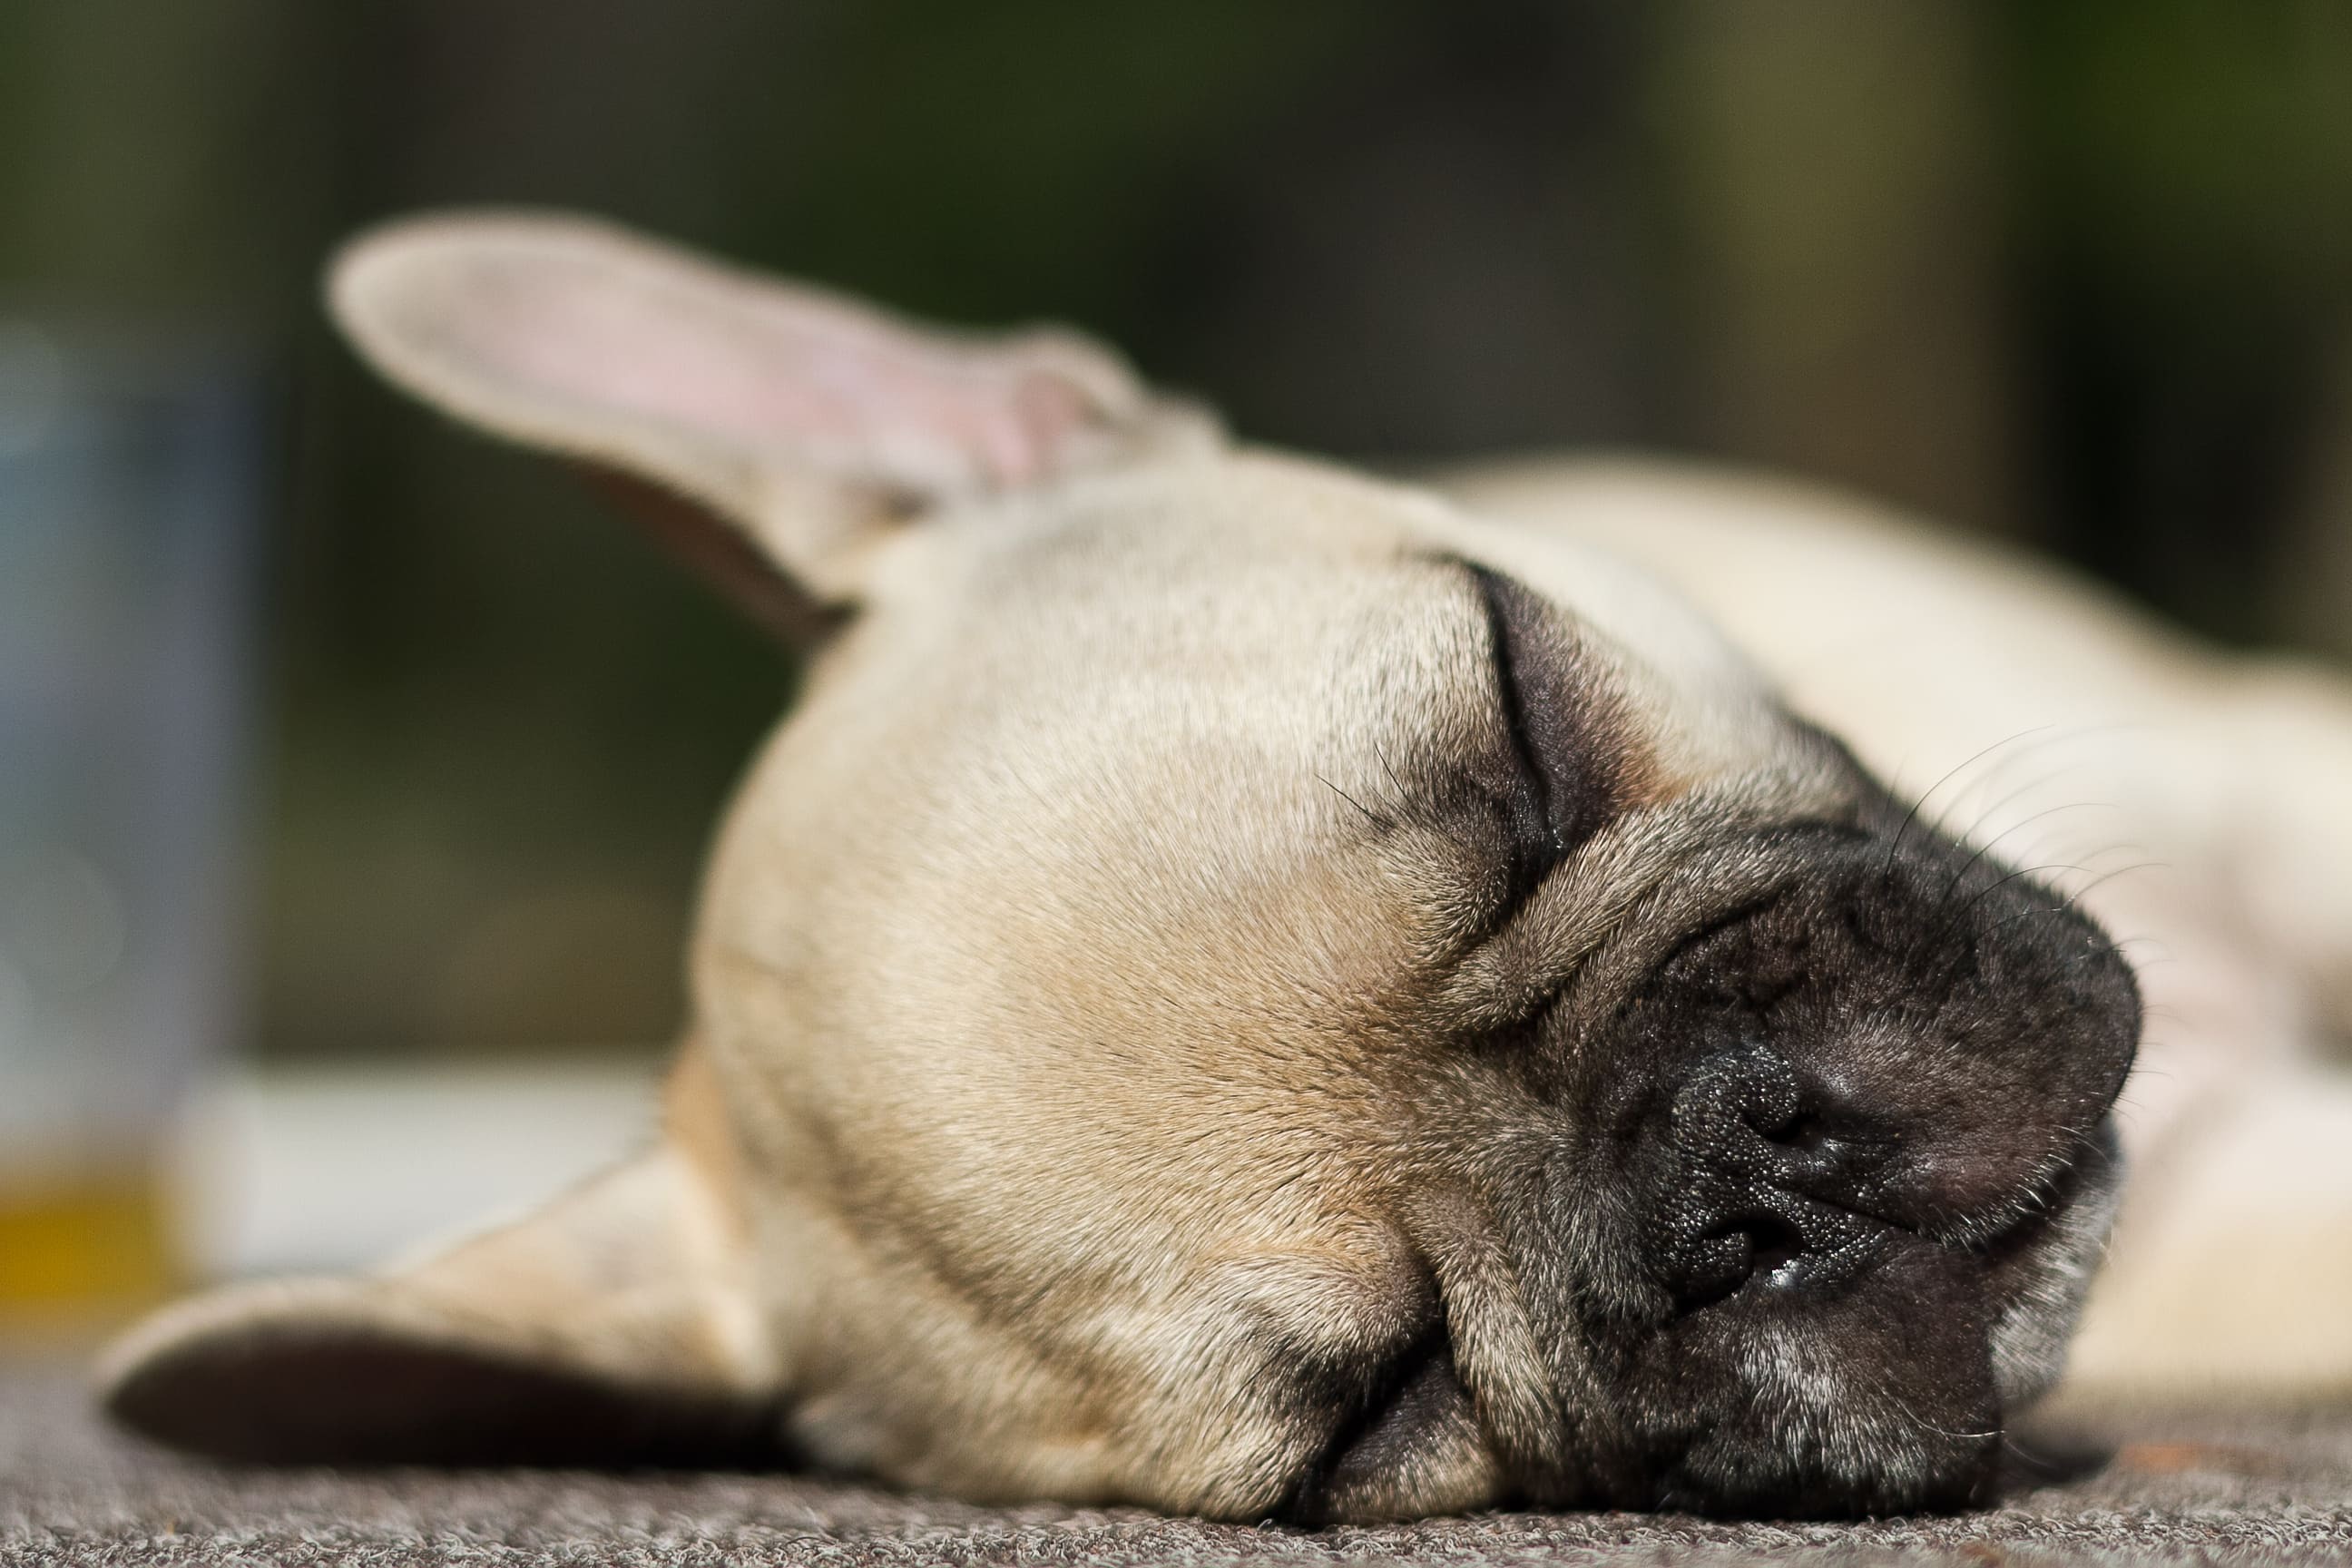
(1759, 1180)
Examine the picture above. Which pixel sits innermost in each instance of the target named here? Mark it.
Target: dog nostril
(1754, 1246)
(1772, 1245)
(1748, 1091)
(1801, 1130)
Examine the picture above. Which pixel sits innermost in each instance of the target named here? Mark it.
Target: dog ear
(810, 422)
(612, 1327)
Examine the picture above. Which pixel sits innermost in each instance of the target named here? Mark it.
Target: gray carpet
(2178, 1488)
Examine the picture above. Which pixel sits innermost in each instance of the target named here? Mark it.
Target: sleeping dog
(1255, 990)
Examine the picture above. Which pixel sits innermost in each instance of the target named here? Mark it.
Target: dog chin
(1896, 1397)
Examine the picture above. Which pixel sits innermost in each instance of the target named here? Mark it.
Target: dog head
(1238, 988)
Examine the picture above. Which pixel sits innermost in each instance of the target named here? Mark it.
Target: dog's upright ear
(613, 1326)
(810, 422)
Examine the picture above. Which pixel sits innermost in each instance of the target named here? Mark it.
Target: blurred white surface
(296, 1172)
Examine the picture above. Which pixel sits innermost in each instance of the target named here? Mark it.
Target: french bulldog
(1255, 990)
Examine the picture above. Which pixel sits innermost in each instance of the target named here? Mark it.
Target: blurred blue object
(128, 495)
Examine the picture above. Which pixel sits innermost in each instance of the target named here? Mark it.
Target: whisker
(1375, 818)
(1917, 805)
(2022, 871)
(2061, 734)
(1984, 848)
(2039, 781)
(2100, 880)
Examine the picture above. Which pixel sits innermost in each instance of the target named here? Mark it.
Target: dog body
(1248, 989)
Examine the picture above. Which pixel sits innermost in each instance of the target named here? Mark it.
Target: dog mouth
(1927, 1347)
(1738, 1436)
(1866, 1243)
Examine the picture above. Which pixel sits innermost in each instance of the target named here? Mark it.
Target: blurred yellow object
(80, 1250)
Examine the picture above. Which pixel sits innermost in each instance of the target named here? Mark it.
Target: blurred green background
(2079, 274)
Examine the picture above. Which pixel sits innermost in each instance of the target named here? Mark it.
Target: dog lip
(2045, 1205)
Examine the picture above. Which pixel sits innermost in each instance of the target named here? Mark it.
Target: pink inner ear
(810, 380)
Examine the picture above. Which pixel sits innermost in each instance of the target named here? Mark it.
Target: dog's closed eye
(1567, 767)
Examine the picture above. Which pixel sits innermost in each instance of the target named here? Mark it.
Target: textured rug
(2180, 1487)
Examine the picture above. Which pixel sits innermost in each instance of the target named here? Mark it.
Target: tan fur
(1059, 1073)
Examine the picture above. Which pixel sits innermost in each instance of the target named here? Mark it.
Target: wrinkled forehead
(1308, 607)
